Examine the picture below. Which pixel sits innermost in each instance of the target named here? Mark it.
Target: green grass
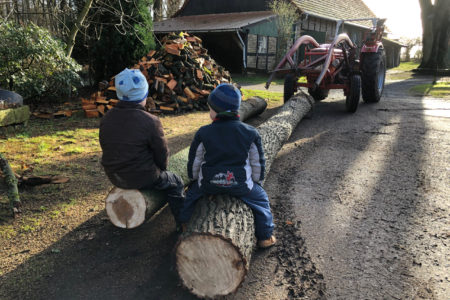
(440, 89)
(260, 79)
(406, 66)
(273, 98)
(255, 79)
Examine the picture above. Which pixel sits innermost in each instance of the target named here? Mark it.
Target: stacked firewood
(180, 75)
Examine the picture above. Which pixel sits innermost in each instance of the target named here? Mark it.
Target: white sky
(403, 16)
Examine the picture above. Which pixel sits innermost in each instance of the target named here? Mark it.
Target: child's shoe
(267, 243)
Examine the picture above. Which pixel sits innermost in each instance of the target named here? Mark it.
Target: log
(213, 254)
(253, 107)
(9, 209)
(130, 208)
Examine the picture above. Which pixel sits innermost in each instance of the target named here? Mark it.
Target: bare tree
(76, 27)
(287, 16)
(435, 24)
(409, 44)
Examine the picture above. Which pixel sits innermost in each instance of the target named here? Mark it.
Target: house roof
(337, 9)
(212, 22)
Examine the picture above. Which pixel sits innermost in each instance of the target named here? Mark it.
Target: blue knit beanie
(225, 97)
(131, 86)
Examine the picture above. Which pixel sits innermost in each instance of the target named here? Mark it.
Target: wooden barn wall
(268, 28)
(261, 52)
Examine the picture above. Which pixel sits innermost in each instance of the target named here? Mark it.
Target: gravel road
(370, 194)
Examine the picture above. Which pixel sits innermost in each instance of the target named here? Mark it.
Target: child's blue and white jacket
(226, 157)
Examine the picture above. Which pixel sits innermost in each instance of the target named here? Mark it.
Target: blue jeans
(256, 199)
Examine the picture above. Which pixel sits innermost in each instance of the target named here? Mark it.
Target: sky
(403, 16)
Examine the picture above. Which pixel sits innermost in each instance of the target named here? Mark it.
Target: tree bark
(76, 27)
(12, 191)
(435, 24)
(130, 208)
(213, 255)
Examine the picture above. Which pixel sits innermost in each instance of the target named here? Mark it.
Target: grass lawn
(255, 79)
(439, 90)
(406, 66)
(273, 98)
(402, 72)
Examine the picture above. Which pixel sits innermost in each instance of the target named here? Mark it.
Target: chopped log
(89, 106)
(92, 113)
(217, 239)
(101, 109)
(171, 84)
(181, 58)
(189, 93)
(10, 181)
(129, 208)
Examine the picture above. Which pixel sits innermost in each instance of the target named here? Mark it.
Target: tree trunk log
(7, 209)
(252, 107)
(130, 208)
(213, 255)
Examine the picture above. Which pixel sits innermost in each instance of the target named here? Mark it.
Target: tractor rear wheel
(318, 94)
(373, 74)
(352, 100)
(290, 88)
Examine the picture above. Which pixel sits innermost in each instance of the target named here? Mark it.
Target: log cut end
(125, 208)
(209, 265)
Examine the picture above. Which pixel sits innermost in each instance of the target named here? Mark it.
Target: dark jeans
(173, 186)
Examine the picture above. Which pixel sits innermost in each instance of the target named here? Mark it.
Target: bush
(34, 64)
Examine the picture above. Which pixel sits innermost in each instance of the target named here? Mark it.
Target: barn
(242, 35)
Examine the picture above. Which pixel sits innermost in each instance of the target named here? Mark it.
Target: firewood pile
(180, 75)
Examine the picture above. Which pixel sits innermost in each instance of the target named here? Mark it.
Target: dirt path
(360, 204)
(371, 193)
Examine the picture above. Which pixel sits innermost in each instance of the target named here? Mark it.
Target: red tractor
(336, 66)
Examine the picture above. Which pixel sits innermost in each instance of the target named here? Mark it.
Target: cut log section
(129, 208)
(214, 254)
(201, 253)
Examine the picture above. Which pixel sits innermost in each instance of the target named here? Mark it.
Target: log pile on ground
(180, 75)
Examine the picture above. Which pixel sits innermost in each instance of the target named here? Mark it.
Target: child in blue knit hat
(135, 151)
(226, 157)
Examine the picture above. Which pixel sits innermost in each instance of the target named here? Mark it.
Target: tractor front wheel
(373, 74)
(318, 94)
(290, 82)
(352, 100)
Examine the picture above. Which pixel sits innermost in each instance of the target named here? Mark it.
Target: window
(262, 44)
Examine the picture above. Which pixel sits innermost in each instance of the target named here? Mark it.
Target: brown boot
(267, 243)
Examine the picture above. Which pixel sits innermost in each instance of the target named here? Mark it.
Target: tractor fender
(372, 47)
